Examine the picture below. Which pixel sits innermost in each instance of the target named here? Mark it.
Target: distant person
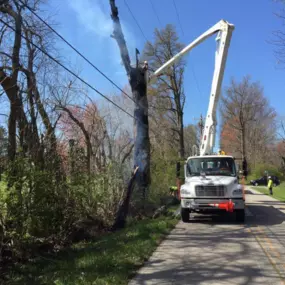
(173, 191)
(270, 184)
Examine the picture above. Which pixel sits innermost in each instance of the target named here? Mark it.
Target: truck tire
(185, 215)
(240, 216)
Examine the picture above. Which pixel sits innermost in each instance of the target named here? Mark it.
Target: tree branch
(119, 37)
(127, 154)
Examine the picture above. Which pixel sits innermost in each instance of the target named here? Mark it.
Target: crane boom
(209, 133)
(224, 30)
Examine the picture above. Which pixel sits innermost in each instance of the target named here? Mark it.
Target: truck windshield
(211, 166)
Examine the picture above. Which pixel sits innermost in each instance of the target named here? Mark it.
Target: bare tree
(9, 82)
(137, 79)
(19, 75)
(279, 35)
(247, 115)
(3, 150)
(191, 138)
(170, 93)
(119, 141)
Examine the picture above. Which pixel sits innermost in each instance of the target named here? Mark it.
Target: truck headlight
(185, 192)
(237, 192)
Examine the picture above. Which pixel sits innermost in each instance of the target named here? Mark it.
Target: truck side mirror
(185, 170)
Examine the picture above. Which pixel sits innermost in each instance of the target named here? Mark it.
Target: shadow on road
(249, 192)
(273, 203)
(260, 215)
(212, 219)
(206, 255)
(197, 273)
(264, 215)
(215, 249)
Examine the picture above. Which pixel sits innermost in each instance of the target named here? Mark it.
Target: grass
(278, 192)
(112, 259)
(3, 185)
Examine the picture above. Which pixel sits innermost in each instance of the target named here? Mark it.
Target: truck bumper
(197, 204)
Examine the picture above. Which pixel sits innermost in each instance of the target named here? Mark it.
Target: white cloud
(93, 19)
(91, 16)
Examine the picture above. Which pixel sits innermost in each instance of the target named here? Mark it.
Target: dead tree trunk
(138, 83)
(142, 143)
(123, 210)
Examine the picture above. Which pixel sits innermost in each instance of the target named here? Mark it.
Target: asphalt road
(220, 251)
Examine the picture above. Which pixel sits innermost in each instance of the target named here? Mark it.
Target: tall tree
(169, 86)
(279, 35)
(3, 149)
(20, 71)
(248, 119)
(138, 82)
(191, 138)
(9, 82)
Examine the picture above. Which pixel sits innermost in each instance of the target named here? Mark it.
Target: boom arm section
(209, 133)
(224, 30)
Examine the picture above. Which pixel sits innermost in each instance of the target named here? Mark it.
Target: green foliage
(260, 169)
(278, 192)
(36, 202)
(98, 196)
(37, 206)
(3, 208)
(163, 175)
(112, 259)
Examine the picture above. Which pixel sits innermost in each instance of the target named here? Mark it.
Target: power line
(66, 68)
(153, 8)
(135, 20)
(178, 17)
(76, 50)
(195, 78)
(192, 68)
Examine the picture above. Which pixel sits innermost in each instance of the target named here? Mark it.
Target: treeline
(250, 129)
(66, 160)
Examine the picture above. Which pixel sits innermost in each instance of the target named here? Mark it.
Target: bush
(37, 208)
(260, 169)
(163, 175)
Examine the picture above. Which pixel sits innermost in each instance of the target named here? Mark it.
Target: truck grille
(210, 191)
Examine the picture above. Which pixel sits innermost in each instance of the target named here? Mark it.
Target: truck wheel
(240, 216)
(185, 215)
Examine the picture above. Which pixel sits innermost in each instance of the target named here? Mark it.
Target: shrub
(260, 169)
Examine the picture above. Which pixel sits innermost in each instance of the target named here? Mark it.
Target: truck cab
(211, 182)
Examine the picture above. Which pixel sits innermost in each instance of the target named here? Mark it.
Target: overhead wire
(151, 106)
(66, 68)
(195, 78)
(76, 50)
(137, 23)
(177, 14)
(192, 68)
(154, 11)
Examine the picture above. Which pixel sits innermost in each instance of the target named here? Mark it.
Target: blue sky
(87, 25)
